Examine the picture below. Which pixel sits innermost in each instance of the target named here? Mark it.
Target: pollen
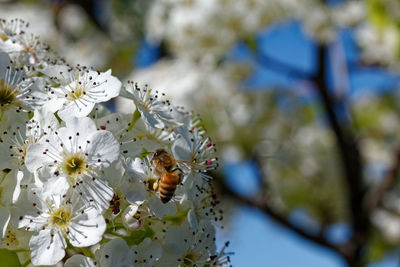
(61, 217)
(74, 164)
(190, 258)
(10, 239)
(76, 94)
(22, 149)
(151, 183)
(7, 93)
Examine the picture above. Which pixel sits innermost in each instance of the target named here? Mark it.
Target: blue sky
(259, 242)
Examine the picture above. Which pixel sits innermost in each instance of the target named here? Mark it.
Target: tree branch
(351, 160)
(282, 220)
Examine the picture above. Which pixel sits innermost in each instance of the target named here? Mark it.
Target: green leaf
(9, 258)
(135, 117)
(136, 237)
(58, 118)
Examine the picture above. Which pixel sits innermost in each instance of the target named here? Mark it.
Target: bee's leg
(180, 178)
(180, 174)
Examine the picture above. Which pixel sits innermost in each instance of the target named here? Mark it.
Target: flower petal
(47, 247)
(103, 149)
(87, 229)
(79, 261)
(115, 253)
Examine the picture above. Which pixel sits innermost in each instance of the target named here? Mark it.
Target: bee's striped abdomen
(168, 184)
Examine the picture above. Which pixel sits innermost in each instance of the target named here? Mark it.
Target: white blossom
(115, 253)
(77, 90)
(17, 91)
(54, 218)
(154, 110)
(187, 247)
(78, 186)
(75, 154)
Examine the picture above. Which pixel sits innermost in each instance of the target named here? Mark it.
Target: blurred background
(301, 97)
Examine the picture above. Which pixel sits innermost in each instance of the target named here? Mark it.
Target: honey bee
(170, 175)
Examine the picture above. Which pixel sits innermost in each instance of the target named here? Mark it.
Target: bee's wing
(191, 165)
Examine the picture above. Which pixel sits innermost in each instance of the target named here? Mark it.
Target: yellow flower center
(61, 217)
(7, 93)
(76, 94)
(74, 164)
(190, 258)
(10, 239)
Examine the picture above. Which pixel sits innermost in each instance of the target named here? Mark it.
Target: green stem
(20, 250)
(135, 117)
(87, 252)
(26, 263)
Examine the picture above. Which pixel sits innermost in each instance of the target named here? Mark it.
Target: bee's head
(158, 153)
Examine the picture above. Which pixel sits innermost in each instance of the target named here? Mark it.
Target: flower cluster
(184, 25)
(87, 187)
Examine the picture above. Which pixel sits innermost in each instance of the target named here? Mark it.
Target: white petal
(55, 186)
(135, 169)
(112, 86)
(54, 104)
(10, 187)
(75, 109)
(114, 175)
(103, 147)
(137, 192)
(150, 119)
(87, 229)
(192, 219)
(178, 238)
(35, 158)
(128, 217)
(206, 234)
(79, 261)
(97, 192)
(84, 126)
(54, 71)
(4, 220)
(181, 149)
(115, 253)
(43, 122)
(148, 252)
(162, 209)
(4, 62)
(47, 249)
